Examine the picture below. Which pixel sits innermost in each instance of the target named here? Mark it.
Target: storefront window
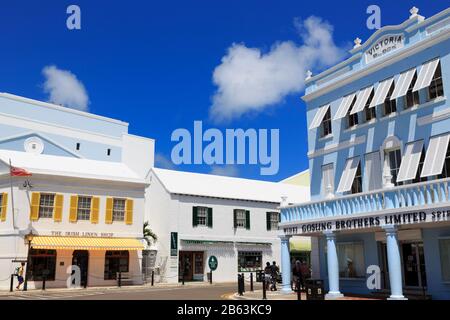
(351, 260)
(115, 262)
(249, 261)
(444, 246)
(42, 263)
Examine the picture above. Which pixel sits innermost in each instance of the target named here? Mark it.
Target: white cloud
(227, 170)
(161, 161)
(65, 89)
(248, 80)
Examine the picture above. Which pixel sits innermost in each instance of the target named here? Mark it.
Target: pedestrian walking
(19, 273)
(297, 275)
(268, 274)
(274, 274)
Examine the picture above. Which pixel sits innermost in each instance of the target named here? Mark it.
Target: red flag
(19, 172)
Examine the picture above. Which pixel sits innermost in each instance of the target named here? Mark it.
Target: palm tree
(149, 235)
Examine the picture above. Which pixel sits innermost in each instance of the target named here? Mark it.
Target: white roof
(207, 185)
(70, 167)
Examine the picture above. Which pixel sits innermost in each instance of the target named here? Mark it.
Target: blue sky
(151, 63)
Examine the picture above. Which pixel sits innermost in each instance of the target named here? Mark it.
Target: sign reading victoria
(383, 46)
(371, 221)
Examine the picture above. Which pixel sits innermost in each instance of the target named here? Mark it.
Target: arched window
(392, 151)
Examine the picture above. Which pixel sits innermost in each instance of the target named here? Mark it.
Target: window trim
(78, 207)
(124, 209)
(40, 206)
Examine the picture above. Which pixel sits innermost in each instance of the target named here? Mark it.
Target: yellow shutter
(129, 212)
(109, 210)
(4, 207)
(73, 208)
(34, 208)
(57, 212)
(94, 210)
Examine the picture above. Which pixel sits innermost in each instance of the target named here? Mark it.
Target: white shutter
(361, 100)
(410, 161)
(348, 175)
(426, 74)
(402, 84)
(344, 106)
(319, 117)
(381, 92)
(435, 157)
(372, 171)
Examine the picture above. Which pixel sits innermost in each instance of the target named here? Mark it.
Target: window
(390, 106)
(357, 182)
(370, 112)
(326, 124)
(412, 97)
(241, 219)
(118, 209)
(42, 263)
(352, 119)
(394, 159)
(115, 262)
(78, 146)
(46, 205)
(436, 88)
(444, 249)
(351, 260)
(328, 180)
(108, 152)
(249, 261)
(418, 178)
(202, 216)
(273, 218)
(446, 170)
(84, 208)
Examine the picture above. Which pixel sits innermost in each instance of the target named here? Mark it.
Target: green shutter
(194, 216)
(268, 221)
(235, 218)
(210, 217)
(247, 220)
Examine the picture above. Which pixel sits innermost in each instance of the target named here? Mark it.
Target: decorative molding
(337, 146)
(434, 117)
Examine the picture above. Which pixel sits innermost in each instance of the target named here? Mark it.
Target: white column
(285, 265)
(394, 263)
(333, 266)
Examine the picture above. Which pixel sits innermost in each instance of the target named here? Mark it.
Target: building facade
(197, 216)
(82, 208)
(379, 160)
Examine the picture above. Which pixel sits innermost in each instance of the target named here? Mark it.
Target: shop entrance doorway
(80, 258)
(413, 260)
(191, 264)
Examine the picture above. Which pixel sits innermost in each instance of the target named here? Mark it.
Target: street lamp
(29, 238)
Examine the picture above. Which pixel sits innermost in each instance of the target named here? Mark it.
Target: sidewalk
(277, 295)
(115, 288)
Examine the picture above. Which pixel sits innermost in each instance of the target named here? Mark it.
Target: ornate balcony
(430, 193)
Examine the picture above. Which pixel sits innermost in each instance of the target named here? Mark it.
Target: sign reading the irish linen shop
(383, 46)
(371, 221)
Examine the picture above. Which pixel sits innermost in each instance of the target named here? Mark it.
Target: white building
(84, 203)
(196, 216)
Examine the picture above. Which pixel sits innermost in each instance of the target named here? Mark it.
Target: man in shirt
(20, 275)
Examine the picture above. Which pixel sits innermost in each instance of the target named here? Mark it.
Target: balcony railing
(418, 194)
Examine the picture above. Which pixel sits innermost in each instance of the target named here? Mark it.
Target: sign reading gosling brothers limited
(371, 221)
(384, 45)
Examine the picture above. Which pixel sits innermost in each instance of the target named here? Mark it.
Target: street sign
(212, 262)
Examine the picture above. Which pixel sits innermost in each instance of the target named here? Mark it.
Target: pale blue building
(379, 158)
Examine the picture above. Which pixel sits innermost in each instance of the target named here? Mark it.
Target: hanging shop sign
(173, 244)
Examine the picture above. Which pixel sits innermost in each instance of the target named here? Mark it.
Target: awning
(426, 74)
(435, 157)
(80, 243)
(403, 83)
(320, 114)
(410, 161)
(300, 244)
(381, 92)
(351, 166)
(361, 100)
(346, 102)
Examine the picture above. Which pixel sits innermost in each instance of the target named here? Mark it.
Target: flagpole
(12, 193)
